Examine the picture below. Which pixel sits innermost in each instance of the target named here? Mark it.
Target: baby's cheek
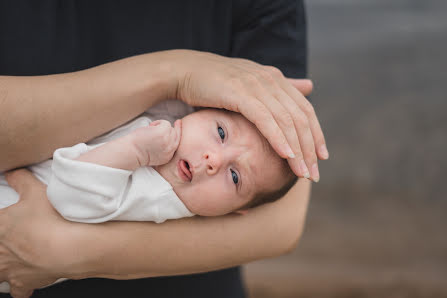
(208, 201)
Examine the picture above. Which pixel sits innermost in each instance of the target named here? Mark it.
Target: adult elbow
(292, 239)
(292, 232)
(287, 240)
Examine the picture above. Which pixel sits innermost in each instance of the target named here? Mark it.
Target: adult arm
(61, 110)
(42, 113)
(50, 247)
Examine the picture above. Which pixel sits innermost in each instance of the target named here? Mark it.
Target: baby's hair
(264, 197)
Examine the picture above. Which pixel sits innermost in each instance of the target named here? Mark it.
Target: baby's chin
(163, 171)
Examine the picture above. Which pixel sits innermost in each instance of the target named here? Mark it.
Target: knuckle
(308, 108)
(310, 158)
(299, 155)
(260, 109)
(267, 76)
(235, 83)
(301, 120)
(309, 153)
(165, 139)
(319, 138)
(170, 148)
(250, 79)
(274, 71)
(286, 120)
(15, 283)
(164, 124)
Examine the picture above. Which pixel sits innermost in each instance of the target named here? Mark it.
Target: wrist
(176, 66)
(168, 74)
(72, 258)
(134, 151)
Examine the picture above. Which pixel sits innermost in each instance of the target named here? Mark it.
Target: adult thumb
(21, 180)
(305, 86)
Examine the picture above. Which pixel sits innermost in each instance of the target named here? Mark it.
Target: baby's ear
(241, 212)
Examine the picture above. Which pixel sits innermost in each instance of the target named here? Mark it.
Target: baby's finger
(155, 123)
(21, 180)
(178, 132)
(164, 128)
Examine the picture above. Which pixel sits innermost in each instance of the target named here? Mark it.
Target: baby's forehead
(269, 169)
(245, 125)
(268, 164)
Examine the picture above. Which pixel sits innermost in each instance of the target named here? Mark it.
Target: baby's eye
(221, 132)
(234, 176)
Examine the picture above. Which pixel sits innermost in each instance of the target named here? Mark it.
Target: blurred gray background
(377, 220)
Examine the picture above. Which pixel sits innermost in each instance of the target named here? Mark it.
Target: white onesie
(91, 193)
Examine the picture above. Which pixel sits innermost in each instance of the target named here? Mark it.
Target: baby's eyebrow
(248, 168)
(247, 175)
(233, 129)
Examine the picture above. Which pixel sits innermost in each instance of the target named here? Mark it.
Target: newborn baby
(212, 162)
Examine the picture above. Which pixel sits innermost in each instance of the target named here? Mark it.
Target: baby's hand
(156, 144)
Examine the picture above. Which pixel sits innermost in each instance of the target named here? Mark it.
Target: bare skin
(50, 247)
(61, 110)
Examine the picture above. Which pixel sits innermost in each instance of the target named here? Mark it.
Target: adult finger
(293, 100)
(280, 88)
(177, 131)
(256, 112)
(20, 293)
(292, 122)
(21, 180)
(273, 101)
(314, 124)
(304, 86)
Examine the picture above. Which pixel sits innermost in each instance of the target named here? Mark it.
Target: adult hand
(264, 96)
(26, 253)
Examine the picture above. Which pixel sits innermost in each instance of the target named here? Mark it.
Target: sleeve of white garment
(92, 193)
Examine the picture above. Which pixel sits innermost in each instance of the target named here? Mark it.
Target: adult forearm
(42, 113)
(133, 250)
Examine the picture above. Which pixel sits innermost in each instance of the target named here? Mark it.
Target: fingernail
(288, 151)
(315, 173)
(323, 152)
(304, 169)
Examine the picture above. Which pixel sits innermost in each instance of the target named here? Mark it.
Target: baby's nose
(213, 161)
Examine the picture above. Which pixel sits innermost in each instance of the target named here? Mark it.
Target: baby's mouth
(184, 168)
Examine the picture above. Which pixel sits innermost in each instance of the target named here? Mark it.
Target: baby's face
(222, 161)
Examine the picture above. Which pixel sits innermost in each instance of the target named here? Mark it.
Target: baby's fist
(156, 144)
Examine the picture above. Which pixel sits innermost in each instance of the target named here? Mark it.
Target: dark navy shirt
(57, 36)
